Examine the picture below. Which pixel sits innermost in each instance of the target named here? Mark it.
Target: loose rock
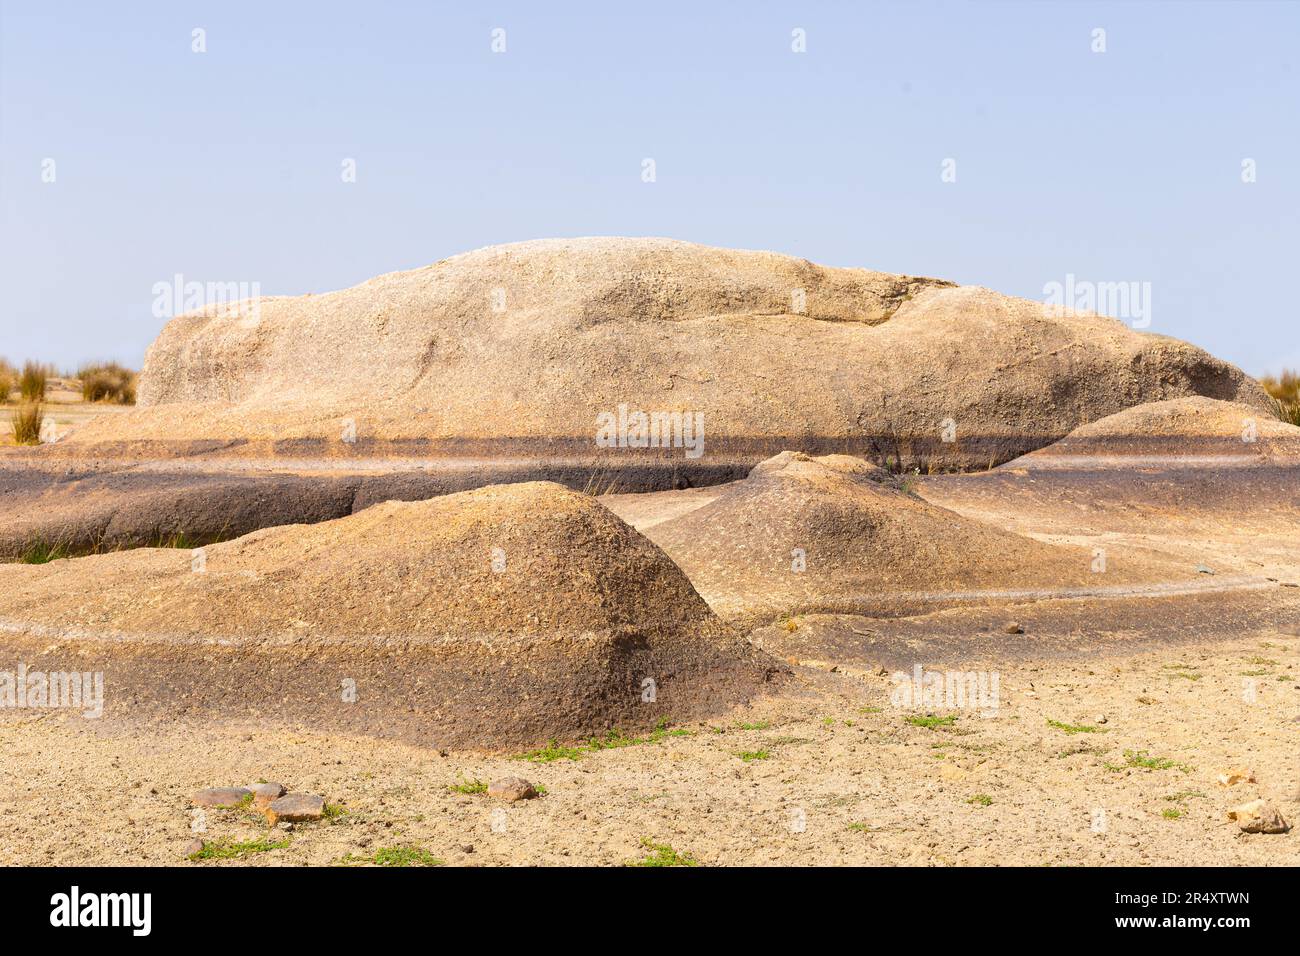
(265, 793)
(1259, 817)
(295, 808)
(1236, 775)
(511, 789)
(221, 796)
(1013, 628)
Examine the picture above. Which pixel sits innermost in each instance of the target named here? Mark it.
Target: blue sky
(225, 166)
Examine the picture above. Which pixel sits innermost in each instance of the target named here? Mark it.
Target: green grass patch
(469, 786)
(981, 800)
(933, 722)
(756, 725)
(750, 755)
(404, 856)
(663, 855)
(613, 740)
(231, 850)
(1075, 728)
(1171, 813)
(1141, 760)
(41, 551)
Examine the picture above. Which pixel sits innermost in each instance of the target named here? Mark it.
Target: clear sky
(226, 165)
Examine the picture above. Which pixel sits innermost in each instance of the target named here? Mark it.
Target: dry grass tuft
(33, 382)
(27, 420)
(107, 382)
(8, 375)
(1285, 392)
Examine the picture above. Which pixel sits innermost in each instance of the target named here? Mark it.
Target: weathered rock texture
(837, 534)
(515, 350)
(1195, 429)
(505, 616)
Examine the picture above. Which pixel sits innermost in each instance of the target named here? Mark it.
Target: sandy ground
(847, 778)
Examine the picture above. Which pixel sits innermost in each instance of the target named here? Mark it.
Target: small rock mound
(835, 534)
(1191, 428)
(507, 615)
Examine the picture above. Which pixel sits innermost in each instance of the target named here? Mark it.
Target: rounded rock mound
(839, 535)
(1193, 429)
(505, 616)
(521, 351)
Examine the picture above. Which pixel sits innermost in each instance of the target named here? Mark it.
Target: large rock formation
(524, 350)
(504, 616)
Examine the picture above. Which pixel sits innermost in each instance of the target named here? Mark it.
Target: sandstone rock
(1230, 778)
(470, 342)
(1259, 816)
(511, 789)
(403, 599)
(295, 808)
(221, 797)
(193, 847)
(1194, 425)
(265, 793)
(803, 535)
(1013, 628)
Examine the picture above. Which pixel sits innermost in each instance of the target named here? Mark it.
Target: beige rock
(265, 793)
(404, 595)
(511, 789)
(220, 797)
(1231, 778)
(1259, 816)
(295, 808)
(519, 347)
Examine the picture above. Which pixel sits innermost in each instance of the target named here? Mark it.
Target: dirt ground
(1115, 714)
(837, 774)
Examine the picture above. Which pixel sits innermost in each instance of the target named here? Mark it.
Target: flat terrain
(844, 777)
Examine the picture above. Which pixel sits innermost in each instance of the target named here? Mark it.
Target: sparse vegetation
(981, 800)
(932, 722)
(27, 419)
(1171, 813)
(751, 755)
(469, 786)
(613, 740)
(756, 725)
(663, 855)
(107, 382)
(227, 849)
(40, 551)
(1075, 728)
(33, 382)
(1143, 761)
(404, 856)
(1284, 389)
(7, 378)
